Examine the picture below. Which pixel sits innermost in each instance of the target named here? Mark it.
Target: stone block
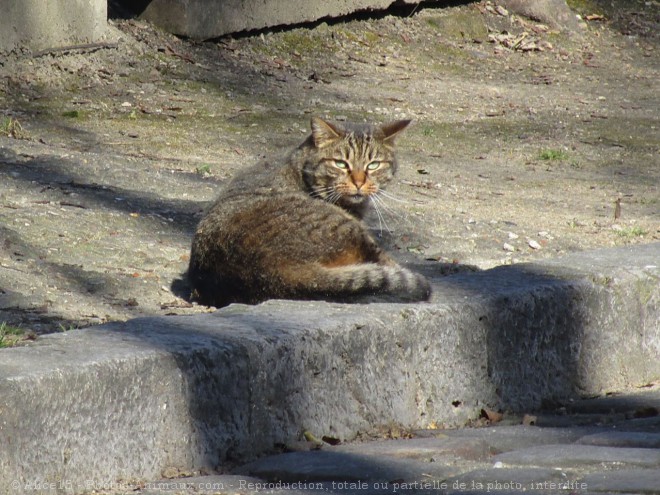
(42, 25)
(204, 19)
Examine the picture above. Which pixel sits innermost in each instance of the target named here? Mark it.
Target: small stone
(508, 247)
(533, 244)
(513, 236)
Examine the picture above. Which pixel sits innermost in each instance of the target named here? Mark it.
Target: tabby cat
(294, 229)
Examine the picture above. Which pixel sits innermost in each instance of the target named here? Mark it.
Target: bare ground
(525, 141)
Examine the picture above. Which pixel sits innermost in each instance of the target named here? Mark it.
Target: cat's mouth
(355, 198)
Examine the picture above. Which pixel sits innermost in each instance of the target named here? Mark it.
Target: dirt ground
(528, 143)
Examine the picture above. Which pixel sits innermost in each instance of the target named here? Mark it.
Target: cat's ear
(324, 133)
(392, 129)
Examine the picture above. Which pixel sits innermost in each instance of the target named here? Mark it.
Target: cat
(294, 229)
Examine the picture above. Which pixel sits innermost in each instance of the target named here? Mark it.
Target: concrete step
(130, 401)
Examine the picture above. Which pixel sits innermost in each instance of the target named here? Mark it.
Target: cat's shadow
(181, 287)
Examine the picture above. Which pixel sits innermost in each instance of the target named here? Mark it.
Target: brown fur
(293, 229)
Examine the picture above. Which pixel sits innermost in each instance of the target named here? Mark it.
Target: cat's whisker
(391, 196)
(381, 219)
(321, 192)
(322, 189)
(383, 204)
(333, 197)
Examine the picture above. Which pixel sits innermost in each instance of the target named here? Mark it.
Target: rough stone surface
(203, 19)
(196, 392)
(52, 24)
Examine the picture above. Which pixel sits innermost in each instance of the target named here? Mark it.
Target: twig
(74, 205)
(85, 46)
(423, 185)
(12, 268)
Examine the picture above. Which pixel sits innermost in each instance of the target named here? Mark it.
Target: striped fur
(293, 229)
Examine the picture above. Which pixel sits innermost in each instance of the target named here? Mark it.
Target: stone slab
(650, 424)
(641, 404)
(204, 391)
(640, 481)
(332, 465)
(210, 484)
(423, 449)
(637, 439)
(41, 25)
(505, 438)
(498, 480)
(204, 19)
(571, 456)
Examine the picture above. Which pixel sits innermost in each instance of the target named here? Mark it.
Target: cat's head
(349, 163)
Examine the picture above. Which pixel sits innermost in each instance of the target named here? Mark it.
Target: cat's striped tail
(380, 281)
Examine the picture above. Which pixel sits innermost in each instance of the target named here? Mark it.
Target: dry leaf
(529, 420)
(330, 440)
(492, 416)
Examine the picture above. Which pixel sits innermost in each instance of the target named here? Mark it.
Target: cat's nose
(358, 179)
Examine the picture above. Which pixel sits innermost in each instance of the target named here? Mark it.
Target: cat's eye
(341, 164)
(373, 166)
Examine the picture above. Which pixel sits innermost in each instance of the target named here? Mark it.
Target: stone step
(132, 400)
